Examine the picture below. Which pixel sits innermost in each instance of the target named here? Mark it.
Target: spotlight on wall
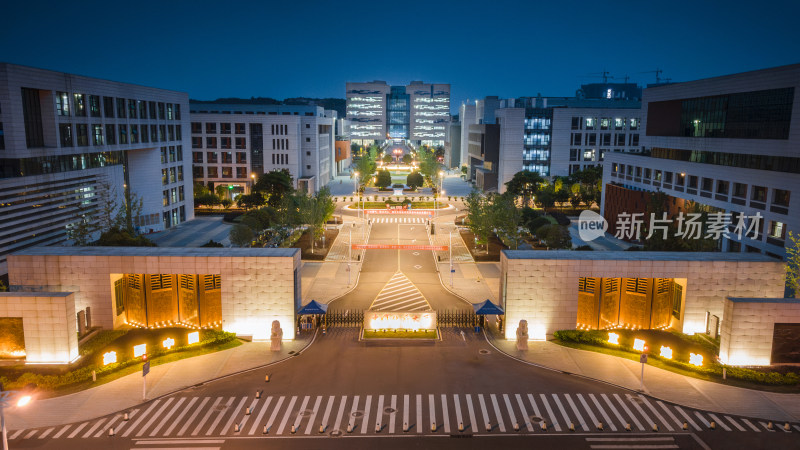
(695, 359)
(666, 352)
(168, 343)
(638, 344)
(139, 350)
(194, 337)
(109, 358)
(613, 338)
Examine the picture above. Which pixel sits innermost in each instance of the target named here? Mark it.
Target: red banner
(398, 247)
(399, 211)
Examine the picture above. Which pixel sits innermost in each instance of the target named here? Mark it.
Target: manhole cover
(484, 352)
(357, 414)
(335, 433)
(536, 419)
(389, 410)
(306, 412)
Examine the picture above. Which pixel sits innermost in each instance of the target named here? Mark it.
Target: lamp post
(6, 398)
(358, 205)
(450, 247)
(252, 182)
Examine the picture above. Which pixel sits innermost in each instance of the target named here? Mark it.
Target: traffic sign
(643, 358)
(146, 368)
(452, 270)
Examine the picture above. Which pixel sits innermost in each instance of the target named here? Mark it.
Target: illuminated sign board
(381, 320)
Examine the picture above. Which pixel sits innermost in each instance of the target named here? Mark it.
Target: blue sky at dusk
(310, 48)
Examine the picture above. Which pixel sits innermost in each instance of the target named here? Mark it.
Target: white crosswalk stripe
(409, 220)
(370, 414)
(400, 294)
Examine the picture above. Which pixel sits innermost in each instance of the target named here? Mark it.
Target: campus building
(418, 112)
(730, 145)
(233, 144)
(66, 141)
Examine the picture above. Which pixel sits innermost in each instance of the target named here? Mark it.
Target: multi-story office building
(731, 143)
(418, 112)
(233, 144)
(66, 141)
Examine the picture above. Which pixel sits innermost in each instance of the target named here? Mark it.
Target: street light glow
(24, 400)
(695, 359)
(109, 358)
(139, 350)
(613, 338)
(638, 344)
(193, 337)
(666, 352)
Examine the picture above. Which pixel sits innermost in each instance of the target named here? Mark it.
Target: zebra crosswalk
(400, 294)
(419, 220)
(193, 417)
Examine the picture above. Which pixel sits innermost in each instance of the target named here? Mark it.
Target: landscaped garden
(694, 356)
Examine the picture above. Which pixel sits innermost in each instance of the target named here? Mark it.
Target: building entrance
(632, 303)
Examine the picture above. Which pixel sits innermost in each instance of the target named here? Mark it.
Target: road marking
(496, 407)
(653, 409)
(352, 420)
(30, 435)
(550, 413)
(719, 422)
(486, 418)
(561, 408)
(261, 413)
(180, 416)
(46, 432)
(419, 414)
(327, 414)
(471, 411)
(92, 429)
(534, 406)
(702, 419)
(739, 427)
(341, 411)
(365, 418)
(71, 435)
(205, 417)
(459, 418)
(178, 442)
(246, 417)
(628, 412)
(686, 416)
(764, 424)
(749, 424)
(299, 417)
(220, 416)
(669, 412)
(379, 414)
(141, 417)
(393, 415)
(287, 415)
(603, 412)
(524, 413)
(445, 414)
(227, 426)
(405, 410)
(191, 419)
(154, 417)
(164, 420)
(313, 415)
(588, 411)
(432, 408)
(639, 408)
(577, 413)
(62, 431)
(18, 432)
(510, 409)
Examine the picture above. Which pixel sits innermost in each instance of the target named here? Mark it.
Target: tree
(253, 200)
(547, 197)
(221, 191)
(212, 243)
(554, 236)
(388, 159)
(414, 180)
(241, 235)
(384, 179)
(407, 158)
(479, 217)
(259, 219)
(365, 166)
(120, 237)
(104, 214)
(506, 218)
(428, 165)
(793, 265)
(524, 184)
(207, 199)
(274, 185)
(315, 211)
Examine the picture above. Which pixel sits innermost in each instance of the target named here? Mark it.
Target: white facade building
(233, 144)
(366, 110)
(66, 140)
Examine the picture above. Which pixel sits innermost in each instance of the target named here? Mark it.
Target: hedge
(597, 338)
(83, 374)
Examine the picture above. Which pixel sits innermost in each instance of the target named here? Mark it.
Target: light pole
(358, 205)
(6, 398)
(450, 247)
(252, 182)
(349, 255)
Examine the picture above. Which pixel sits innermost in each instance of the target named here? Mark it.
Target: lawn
(400, 334)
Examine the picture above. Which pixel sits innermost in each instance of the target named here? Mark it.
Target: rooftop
(159, 251)
(637, 256)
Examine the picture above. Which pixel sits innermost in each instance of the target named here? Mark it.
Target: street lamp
(252, 182)
(6, 399)
(358, 214)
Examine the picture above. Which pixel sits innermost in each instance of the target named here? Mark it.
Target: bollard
(572, 426)
(628, 426)
(433, 426)
(770, 426)
(405, 427)
(110, 432)
(294, 429)
(266, 430)
(544, 425)
(378, 427)
(516, 426)
(350, 428)
(600, 426)
(236, 428)
(94, 376)
(685, 425)
(460, 426)
(655, 427)
(488, 426)
(258, 394)
(787, 427)
(713, 425)
(266, 378)
(125, 417)
(247, 411)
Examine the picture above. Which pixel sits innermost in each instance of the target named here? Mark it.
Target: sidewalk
(474, 282)
(326, 281)
(126, 392)
(659, 383)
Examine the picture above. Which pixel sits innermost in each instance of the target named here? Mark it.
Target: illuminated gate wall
(152, 300)
(636, 303)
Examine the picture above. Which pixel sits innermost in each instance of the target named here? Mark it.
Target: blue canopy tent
(487, 308)
(313, 307)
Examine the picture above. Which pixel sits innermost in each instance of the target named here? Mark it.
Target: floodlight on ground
(139, 350)
(24, 400)
(613, 338)
(168, 343)
(109, 358)
(638, 344)
(666, 352)
(696, 359)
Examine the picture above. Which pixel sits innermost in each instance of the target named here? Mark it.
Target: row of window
(199, 172)
(576, 154)
(171, 155)
(224, 142)
(605, 139)
(171, 175)
(174, 217)
(605, 123)
(112, 134)
(226, 157)
(174, 195)
(224, 128)
(81, 105)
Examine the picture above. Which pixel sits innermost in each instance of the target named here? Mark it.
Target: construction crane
(658, 73)
(605, 74)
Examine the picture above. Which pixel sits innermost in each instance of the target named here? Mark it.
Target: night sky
(214, 49)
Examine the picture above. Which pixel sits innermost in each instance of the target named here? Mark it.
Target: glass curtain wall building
(397, 114)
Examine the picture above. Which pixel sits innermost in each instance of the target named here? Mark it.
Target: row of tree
(582, 187)
(104, 220)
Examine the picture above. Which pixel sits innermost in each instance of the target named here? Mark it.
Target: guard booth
(487, 308)
(311, 315)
